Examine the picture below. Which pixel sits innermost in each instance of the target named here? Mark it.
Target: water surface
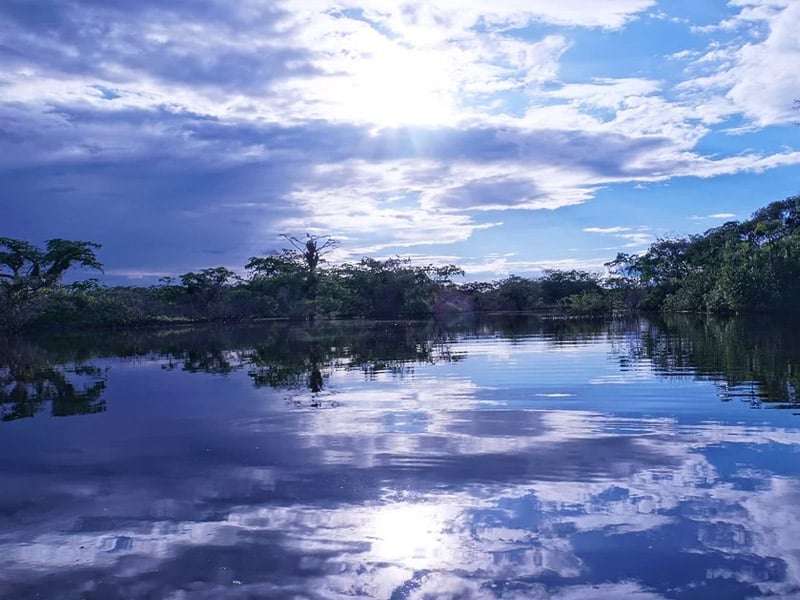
(505, 458)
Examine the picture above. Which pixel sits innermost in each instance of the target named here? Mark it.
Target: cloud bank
(181, 136)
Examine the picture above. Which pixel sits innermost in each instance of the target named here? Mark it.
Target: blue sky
(506, 136)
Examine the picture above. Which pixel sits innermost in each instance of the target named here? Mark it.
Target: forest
(748, 266)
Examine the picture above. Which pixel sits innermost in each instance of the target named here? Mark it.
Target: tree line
(748, 266)
(740, 266)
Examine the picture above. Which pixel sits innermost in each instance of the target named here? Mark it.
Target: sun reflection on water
(412, 535)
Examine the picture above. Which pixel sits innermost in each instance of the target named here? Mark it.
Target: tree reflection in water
(296, 358)
(756, 360)
(513, 475)
(30, 380)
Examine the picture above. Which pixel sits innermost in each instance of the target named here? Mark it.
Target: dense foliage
(30, 275)
(749, 266)
(296, 283)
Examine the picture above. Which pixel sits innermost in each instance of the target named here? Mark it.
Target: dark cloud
(115, 41)
(162, 189)
(149, 216)
(500, 192)
(167, 188)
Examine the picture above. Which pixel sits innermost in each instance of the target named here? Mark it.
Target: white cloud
(714, 216)
(758, 77)
(503, 266)
(635, 239)
(617, 229)
(355, 212)
(467, 115)
(607, 92)
(496, 14)
(683, 54)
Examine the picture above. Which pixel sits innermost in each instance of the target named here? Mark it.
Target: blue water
(531, 459)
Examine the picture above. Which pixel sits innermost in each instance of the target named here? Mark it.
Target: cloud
(203, 130)
(231, 185)
(757, 76)
(494, 193)
(498, 14)
(494, 265)
(607, 92)
(207, 46)
(617, 229)
(635, 239)
(714, 216)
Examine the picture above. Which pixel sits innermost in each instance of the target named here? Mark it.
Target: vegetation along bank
(746, 266)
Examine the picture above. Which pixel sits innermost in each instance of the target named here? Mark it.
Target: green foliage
(279, 278)
(748, 266)
(291, 279)
(556, 285)
(521, 294)
(206, 289)
(516, 293)
(479, 296)
(29, 274)
(391, 288)
(594, 303)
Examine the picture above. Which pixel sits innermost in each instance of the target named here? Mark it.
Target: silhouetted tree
(205, 289)
(312, 251)
(292, 276)
(28, 274)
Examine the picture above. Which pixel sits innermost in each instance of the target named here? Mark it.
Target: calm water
(494, 459)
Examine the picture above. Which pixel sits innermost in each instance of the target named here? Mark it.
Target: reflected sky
(535, 465)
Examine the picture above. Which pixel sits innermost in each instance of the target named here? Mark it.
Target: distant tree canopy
(739, 266)
(389, 288)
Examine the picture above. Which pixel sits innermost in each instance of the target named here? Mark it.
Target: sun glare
(410, 535)
(403, 87)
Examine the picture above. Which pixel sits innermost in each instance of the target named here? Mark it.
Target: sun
(400, 86)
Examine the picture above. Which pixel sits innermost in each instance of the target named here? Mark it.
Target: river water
(486, 458)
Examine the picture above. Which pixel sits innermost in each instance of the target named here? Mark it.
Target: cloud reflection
(421, 483)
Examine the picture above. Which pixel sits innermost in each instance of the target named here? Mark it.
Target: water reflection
(464, 463)
(652, 512)
(756, 359)
(29, 382)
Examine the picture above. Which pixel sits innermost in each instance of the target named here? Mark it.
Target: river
(506, 457)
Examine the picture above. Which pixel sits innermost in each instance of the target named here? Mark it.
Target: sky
(505, 136)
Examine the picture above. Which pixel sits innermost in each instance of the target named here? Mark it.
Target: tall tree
(312, 251)
(294, 272)
(28, 274)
